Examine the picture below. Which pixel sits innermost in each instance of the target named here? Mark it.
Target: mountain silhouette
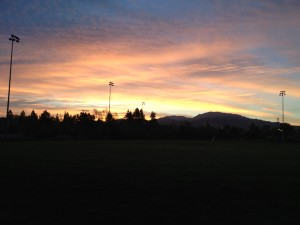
(215, 119)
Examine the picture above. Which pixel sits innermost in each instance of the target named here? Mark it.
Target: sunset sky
(180, 57)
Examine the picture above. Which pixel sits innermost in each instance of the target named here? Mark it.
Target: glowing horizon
(180, 58)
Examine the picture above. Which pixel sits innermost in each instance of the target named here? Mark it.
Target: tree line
(133, 126)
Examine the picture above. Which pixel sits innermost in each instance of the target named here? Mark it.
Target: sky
(179, 57)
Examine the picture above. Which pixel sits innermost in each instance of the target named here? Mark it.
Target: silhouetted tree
(68, 124)
(22, 123)
(136, 114)
(46, 125)
(153, 116)
(115, 116)
(109, 117)
(33, 124)
(22, 114)
(45, 116)
(100, 115)
(33, 115)
(67, 117)
(85, 117)
(142, 116)
(128, 115)
(56, 119)
(10, 122)
(133, 125)
(10, 115)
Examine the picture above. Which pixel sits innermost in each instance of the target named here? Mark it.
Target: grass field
(149, 182)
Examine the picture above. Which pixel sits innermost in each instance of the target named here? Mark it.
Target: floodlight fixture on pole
(13, 39)
(110, 85)
(282, 94)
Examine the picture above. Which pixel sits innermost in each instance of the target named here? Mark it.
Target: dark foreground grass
(149, 182)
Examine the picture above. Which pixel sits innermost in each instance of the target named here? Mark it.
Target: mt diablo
(215, 119)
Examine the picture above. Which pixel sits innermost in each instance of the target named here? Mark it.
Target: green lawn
(149, 182)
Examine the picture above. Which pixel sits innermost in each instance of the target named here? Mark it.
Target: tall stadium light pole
(110, 85)
(13, 39)
(282, 94)
(143, 104)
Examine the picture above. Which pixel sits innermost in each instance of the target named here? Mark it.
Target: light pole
(110, 85)
(282, 94)
(13, 39)
(143, 103)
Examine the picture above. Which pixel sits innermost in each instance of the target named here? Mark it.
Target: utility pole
(110, 85)
(13, 39)
(282, 94)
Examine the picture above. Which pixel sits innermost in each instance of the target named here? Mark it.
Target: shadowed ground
(149, 182)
